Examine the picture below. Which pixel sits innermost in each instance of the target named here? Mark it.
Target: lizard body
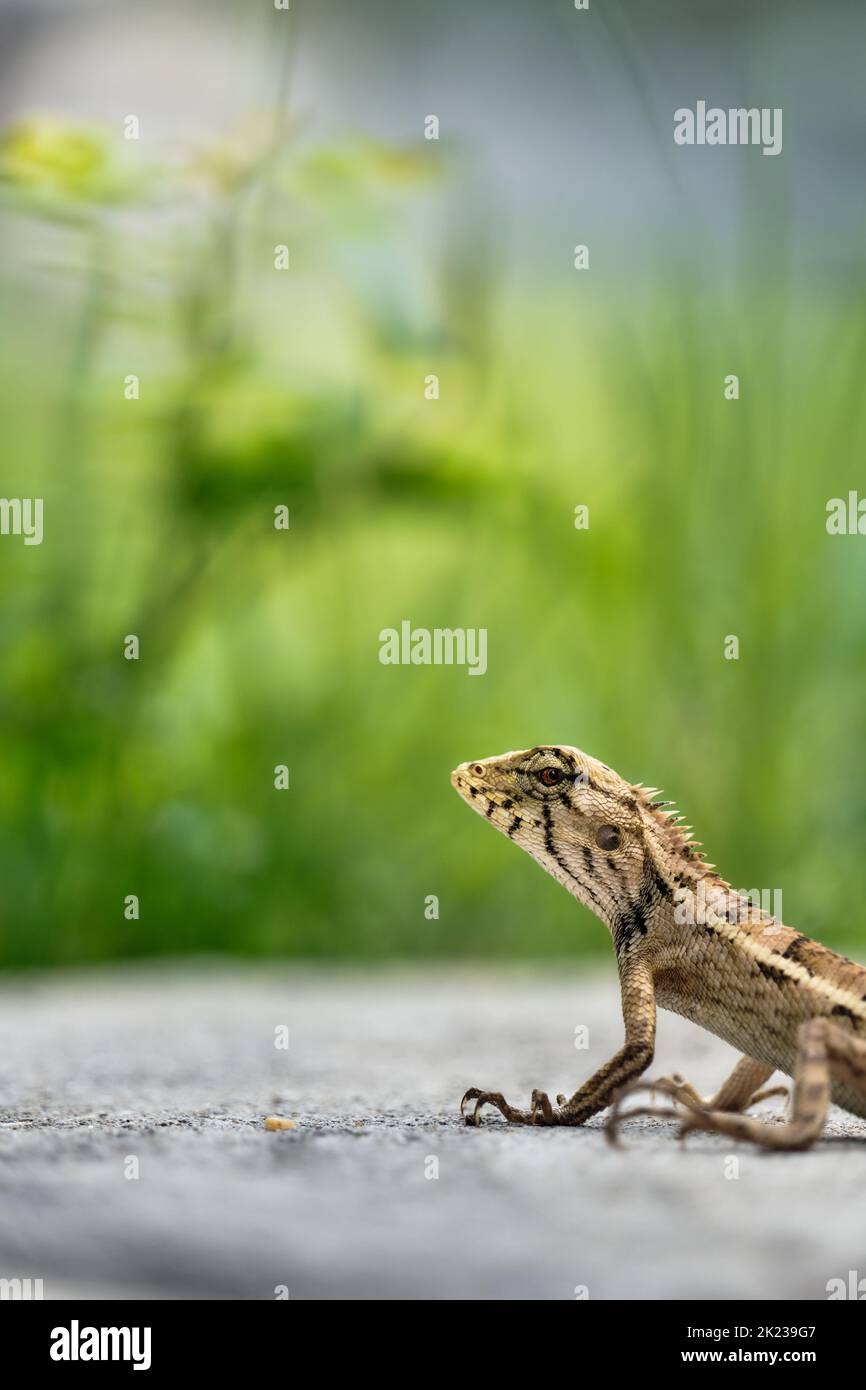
(684, 941)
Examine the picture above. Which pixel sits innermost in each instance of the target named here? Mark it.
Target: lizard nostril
(478, 770)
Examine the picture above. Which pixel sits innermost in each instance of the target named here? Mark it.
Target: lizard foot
(679, 1091)
(700, 1114)
(541, 1112)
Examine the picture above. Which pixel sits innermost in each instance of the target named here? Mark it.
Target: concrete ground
(171, 1074)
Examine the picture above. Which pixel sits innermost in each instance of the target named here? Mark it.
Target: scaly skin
(684, 941)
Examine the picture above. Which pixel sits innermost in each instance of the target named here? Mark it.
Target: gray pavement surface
(177, 1069)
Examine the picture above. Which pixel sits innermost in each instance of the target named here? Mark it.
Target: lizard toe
(472, 1094)
(541, 1109)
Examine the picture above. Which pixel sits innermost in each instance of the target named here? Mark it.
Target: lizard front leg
(636, 1054)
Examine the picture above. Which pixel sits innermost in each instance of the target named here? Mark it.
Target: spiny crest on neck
(683, 856)
(668, 826)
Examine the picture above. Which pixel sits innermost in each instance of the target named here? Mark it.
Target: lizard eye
(550, 776)
(607, 837)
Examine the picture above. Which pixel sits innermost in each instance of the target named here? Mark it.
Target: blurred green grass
(260, 647)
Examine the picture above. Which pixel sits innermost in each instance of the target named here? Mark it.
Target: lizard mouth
(470, 784)
(460, 779)
(466, 783)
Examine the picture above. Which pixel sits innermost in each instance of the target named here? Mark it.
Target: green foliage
(260, 647)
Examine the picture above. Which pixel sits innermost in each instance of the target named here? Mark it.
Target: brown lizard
(685, 941)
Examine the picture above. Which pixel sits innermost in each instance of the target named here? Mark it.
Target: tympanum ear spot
(607, 837)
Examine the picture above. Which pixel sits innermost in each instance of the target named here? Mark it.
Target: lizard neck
(677, 891)
(688, 893)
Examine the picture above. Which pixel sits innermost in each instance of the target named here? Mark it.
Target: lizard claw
(483, 1098)
(473, 1094)
(541, 1112)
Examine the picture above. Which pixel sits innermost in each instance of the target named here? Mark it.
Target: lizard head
(605, 840)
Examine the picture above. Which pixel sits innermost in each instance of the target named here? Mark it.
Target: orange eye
(550, 776)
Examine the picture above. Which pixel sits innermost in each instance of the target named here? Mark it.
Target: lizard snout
(467, 772)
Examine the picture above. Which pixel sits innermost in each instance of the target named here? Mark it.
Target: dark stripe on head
(550, 846)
